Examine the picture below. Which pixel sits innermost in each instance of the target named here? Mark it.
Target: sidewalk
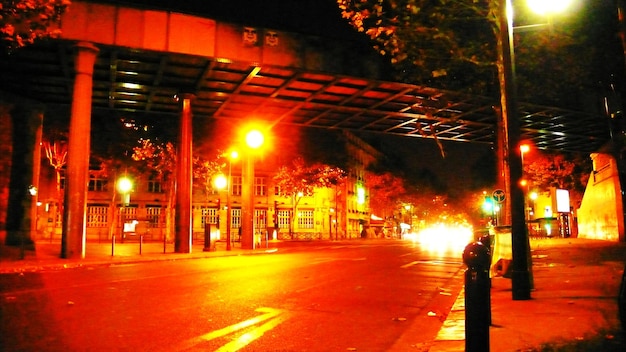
(573, 306)
(47, 254)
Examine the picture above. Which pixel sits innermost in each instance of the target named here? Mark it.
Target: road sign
(499, 195)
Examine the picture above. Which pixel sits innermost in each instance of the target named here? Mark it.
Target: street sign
(499, 195)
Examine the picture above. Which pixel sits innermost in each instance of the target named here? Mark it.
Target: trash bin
(502, 253)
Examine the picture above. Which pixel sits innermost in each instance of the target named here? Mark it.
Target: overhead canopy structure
(142, 69)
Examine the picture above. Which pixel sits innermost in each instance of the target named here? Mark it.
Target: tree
(22, 22)
(448, 44)
(549, 169)
(56, 153)
(205, 171)
(300, 180)
(453, 45)
(160, 159)
(386, 190)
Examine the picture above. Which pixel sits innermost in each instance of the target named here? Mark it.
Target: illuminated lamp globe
(124, 185)
(254, 139)
(543, 7)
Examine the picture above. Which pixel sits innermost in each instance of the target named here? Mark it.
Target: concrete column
(247, 201)
(184, 175)
(77, 170)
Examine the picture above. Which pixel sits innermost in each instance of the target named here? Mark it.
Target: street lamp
(520, 276)
(232, 156)
(219, 182)
(124, 185)
(523, 149)
(254, 140)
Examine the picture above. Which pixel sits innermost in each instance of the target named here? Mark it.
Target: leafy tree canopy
(24, 21)
(300, 178)
(547, 169)
(453, 45)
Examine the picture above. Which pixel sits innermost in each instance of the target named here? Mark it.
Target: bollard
(164, 243)
(207, 237)
(140, 243)
(112, 245)
(477, 297)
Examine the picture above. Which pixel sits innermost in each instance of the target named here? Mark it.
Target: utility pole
(510, 134)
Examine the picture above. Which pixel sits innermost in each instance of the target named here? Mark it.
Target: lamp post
(219, 182)
(124, 185)
(254, 140)
(232, 156)
(520, 278)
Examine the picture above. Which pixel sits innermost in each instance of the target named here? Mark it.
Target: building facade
(340, 212)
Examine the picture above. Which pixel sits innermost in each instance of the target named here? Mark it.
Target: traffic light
(488, 205)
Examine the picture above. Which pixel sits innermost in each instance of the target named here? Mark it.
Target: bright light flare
(543, 7)
(444, 237)
(254, 139)
(124, 185)
(220, 181)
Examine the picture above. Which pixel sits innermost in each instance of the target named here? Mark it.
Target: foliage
(449, 44)
(205, 170)
(453, 45)
(385, 192)
(571, 172)
(159, 158)
(300, 178)
(24, 21)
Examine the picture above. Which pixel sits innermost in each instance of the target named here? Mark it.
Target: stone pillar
(184, 175)
(247, 201)
(77, 169)
(25, 121)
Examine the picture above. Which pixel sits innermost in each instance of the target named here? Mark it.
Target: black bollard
(477, 297)
(207, 237)
(112, 245)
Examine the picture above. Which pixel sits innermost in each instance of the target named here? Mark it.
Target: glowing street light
(543, 7)
(124, 186)
(520, 278)
(233, 155)
(254, 140)
(220, 182)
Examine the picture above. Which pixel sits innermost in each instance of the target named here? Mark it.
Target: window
(210, 216)
(126, 214)
(235, 219)
(154, 213)
(305, 219)
(62, 179)
(97, 215)
(236, 186)
(155, 184)
(260, 188)
(97, 184)
(284, 218)
(260, 219)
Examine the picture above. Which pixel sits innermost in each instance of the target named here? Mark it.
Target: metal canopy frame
(147, 82)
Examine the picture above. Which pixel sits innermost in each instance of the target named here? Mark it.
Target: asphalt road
(357, 297)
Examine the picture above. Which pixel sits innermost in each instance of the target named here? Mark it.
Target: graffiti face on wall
(250, 36)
